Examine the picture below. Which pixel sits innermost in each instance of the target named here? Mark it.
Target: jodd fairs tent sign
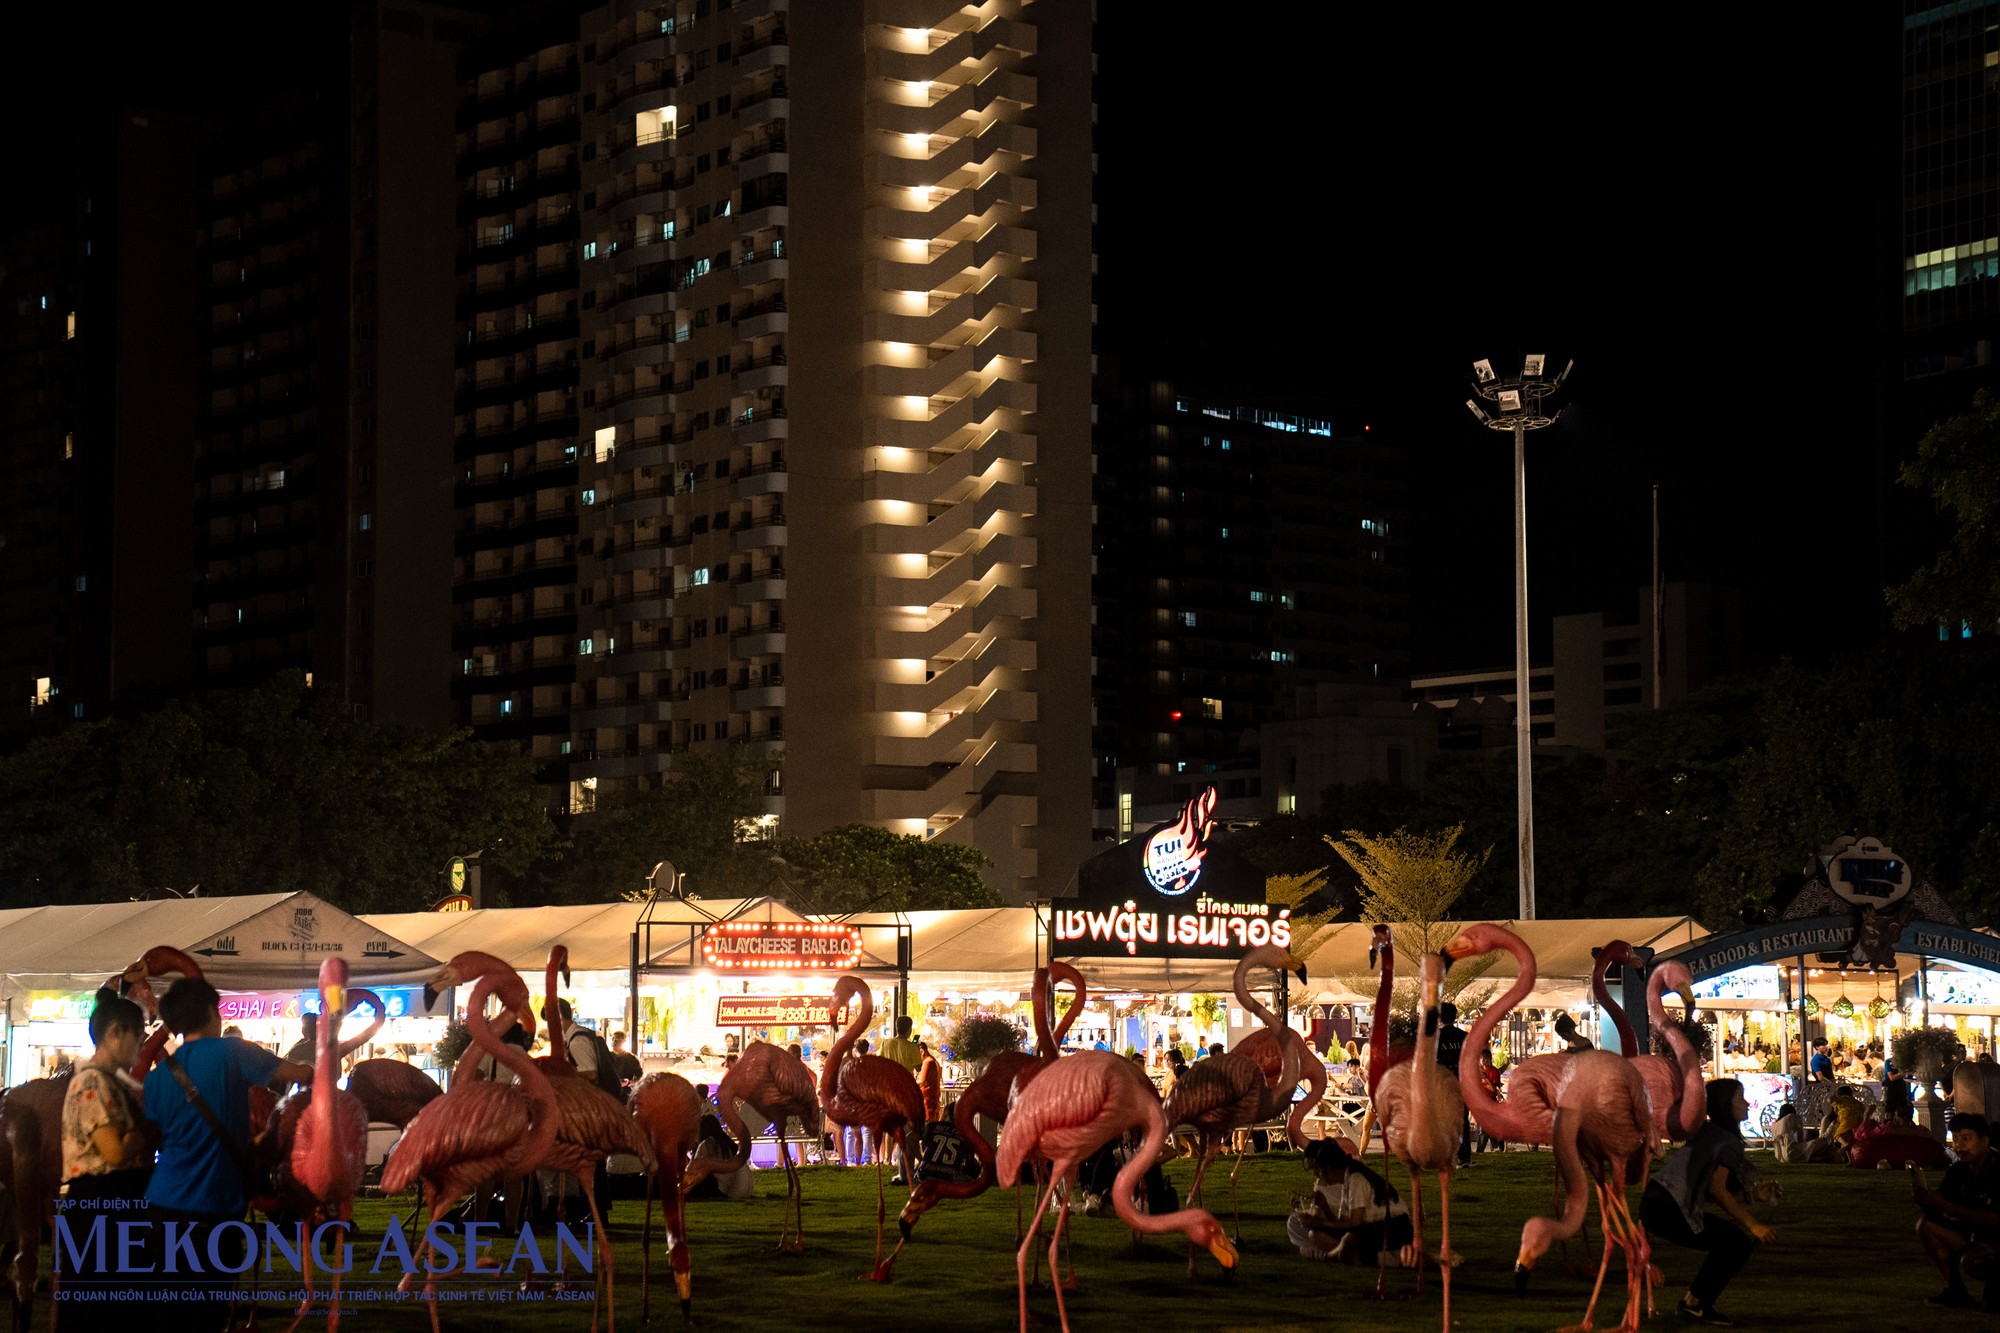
(1177, 892)
(787, 946)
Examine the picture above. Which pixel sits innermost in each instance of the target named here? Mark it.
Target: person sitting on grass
(1353, 1216)
(1710, 1168)
(1961, 1218)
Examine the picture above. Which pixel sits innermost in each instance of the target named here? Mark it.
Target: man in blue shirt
(1821, 1067)
(198, 1184)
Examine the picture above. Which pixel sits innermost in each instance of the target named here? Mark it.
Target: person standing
(930, 1082)
(1897, 1102)
(1961, 1218)
(200, 1098)
(900, 1050)
(1711, 1168)
(107, 1152)
(629, 1068)
(1821, 1068)
(1451, 1045)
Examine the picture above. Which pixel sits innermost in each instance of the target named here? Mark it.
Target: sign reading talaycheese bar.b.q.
(780, 946)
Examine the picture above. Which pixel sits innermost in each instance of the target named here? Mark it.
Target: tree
(1410, 882)
(859, 867)
(695, 819)
(272, 788)
(1311, 917)
(1958, 465)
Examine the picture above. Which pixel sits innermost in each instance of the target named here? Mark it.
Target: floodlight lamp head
(1565, 372)
(1484, 370)
(1531, 365)
(1509, 400)
(1472, 404)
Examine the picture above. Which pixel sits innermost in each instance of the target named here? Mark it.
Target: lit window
(239, 615)
(1225, 446)
(82, 583)
(468, 666)
(584, 647)
(590, 495)
(1188, 619)
(367, 521)
(606, 441)
(1285, 600)
(506, 707)
(69, 445)
(700, 577)
(1256, 596)
(76, 711)
(69, 325)
(1211, 709)
(590, 249)
(1225, 534)
(1277, 656)
(565, 747)
(44, 691)
(1288, 804)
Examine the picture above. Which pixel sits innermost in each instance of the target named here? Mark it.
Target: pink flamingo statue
(1225, 1093)
(1600, 1124)
(1070, 1110)
(330, 1148)
(1422, 1114)
(780, 1087)
(669, 1112)
(392, 1092)
(591, 1126)
(1675, 1089)
(989, 1095)
(869, 1092)
(476, 1130)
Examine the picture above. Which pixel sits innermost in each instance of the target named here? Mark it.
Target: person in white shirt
(1353, 1216)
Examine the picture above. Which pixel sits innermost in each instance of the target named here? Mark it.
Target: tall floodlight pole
(1519, 404)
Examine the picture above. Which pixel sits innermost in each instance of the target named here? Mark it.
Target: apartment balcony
(765, 324)
(646, 557)
(631, 511)
(769, 426)
(757, 696)
(635, 660)
(775, 55)
(768, 479)
(765, 589)
(763, 534)
(766, 640)
(641, 608)
(761, 271)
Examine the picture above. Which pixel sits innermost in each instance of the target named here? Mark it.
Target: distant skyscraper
(773, 417)
(1243, 551)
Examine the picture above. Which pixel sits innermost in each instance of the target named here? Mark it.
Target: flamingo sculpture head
(1474, 940)
(1380, 944)
(470, 964)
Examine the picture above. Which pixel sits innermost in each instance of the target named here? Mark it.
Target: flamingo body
(668, 1112)
(391, 1091)
(1070, 1110)
(780, 1087)
(869, 1092)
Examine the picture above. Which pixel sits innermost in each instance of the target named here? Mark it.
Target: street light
(1519, 404)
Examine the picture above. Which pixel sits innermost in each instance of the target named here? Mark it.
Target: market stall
(262, 951)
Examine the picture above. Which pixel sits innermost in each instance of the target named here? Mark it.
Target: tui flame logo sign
(1174, 855)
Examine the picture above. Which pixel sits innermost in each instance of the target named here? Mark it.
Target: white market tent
(597, 935)
(264, 941)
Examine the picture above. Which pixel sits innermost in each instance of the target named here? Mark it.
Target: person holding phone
(1961, 1218)
(1711, 1169)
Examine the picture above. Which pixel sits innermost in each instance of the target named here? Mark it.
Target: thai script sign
(1212, 928)
(794, 946)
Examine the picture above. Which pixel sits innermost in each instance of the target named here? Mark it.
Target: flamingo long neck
(864, 1014)
(1378, 1030)
(159, 961)
(1600, 991)
(155, 1043)
(1690, 1111)
(1314, 1074)
(1492, 1115)
(732, 1120)
(532, 1080)
(1059, 973)
(1132, 1175)
(350, 1045)
(326, 1070)
(1423, 1061)
(1043, 992)
(558, 1036)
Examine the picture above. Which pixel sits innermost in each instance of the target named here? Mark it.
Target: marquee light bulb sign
(780, 946)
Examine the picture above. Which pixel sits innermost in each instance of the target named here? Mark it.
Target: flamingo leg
(646, 1252)
(1604, 1264)
(1062, 1225)
(1043, 1196)
(1208, 1152)
(1444, 1241)
(1417, 1225)
(881, 1209)
(306, 1273)
(609, 1282)
(1235, 1208)
(794, 1199)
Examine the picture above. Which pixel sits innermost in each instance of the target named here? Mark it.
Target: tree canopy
(859, 867)
(1957, 464)
(695, 819)
(274, 788)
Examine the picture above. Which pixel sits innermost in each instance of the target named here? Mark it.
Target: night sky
(1353, 202)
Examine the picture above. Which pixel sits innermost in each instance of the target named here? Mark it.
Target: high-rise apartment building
(1244, 553)
(774, 408)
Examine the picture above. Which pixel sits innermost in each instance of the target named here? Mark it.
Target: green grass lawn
(1844, 1258)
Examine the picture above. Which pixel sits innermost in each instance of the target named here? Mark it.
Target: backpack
(606, 1076)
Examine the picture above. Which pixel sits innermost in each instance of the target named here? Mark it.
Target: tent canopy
(598, 935)
(264, 941)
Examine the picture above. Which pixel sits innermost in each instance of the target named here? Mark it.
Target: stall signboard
(241, 1006)
(780, 946)
(60, 1006)
(457, 902)
(1178, 891)
(397, 1002)
(1758, 982)
(770, 1011)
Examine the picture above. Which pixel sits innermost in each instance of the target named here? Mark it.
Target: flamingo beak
(446, 978)
(1224, 1252)
(1458, 948)
(684, 1284)
(565, 973)
(336, 1002)
(1374, 956)
(1298, 965)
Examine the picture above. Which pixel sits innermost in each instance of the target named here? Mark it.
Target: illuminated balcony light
(920, 142)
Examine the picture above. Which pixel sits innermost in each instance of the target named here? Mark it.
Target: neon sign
(794, 946)
(1174, 855)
